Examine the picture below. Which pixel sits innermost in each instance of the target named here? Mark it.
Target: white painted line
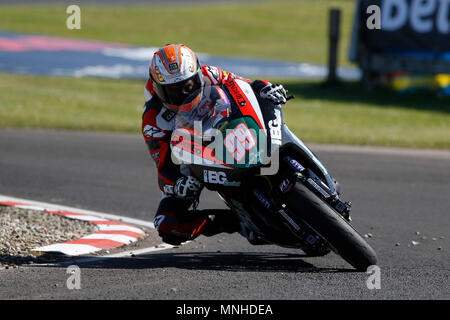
(395, 151)
(115, 237)
(30, 207)
(69, 249)
(118, 227)
(161, 247)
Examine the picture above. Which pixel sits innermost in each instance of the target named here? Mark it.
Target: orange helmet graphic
(175, 73)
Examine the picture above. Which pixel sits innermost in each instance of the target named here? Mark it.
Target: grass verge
(345, 114)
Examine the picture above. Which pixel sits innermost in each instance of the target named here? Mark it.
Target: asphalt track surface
(395, 194)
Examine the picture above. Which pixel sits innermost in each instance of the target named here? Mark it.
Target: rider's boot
(220, 220)
(227, 221)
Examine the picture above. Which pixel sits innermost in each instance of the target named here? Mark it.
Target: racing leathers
(174, 221)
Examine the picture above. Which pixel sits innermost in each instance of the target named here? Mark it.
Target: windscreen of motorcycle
(199, 120)
(205, 108)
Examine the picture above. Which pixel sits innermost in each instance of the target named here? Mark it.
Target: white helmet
(175, 73)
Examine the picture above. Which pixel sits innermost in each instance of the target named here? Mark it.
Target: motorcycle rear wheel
(340, 235)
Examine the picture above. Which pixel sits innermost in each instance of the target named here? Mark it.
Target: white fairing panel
(248, 91)
(288, 136)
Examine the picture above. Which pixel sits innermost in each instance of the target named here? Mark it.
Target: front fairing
(214, 135)
(210, 134)
(290, 139)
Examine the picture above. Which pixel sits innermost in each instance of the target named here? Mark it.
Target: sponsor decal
(168, 115)
(173, 66)
(248, 105)
(232, 183)
(237, 93)
(285, 185)
(168, 188)
(418, 15)
(311, 239)
(157, 221)
(213, 72)
(215, 177)
(294, 164)
(158, 74)
(289, 219)
(261, 198)
(275, 128)
(318, 188)
(218, 177)
(155, 156)
(227, 74)
(152, 132)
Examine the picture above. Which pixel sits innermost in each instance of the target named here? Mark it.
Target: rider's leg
(176, 224)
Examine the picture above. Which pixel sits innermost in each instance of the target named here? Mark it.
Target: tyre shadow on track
(220, 261)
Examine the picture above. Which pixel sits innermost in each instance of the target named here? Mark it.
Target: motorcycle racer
(175, 73)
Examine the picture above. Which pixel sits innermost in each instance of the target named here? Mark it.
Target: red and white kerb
(110, 234)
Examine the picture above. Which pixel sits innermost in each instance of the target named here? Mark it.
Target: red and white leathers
(172, 221)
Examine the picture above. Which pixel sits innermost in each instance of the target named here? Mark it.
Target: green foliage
(345, 114)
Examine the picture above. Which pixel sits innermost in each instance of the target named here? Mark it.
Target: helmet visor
(176, 93)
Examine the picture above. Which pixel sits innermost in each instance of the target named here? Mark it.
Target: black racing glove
(275, 93)
(188, 188)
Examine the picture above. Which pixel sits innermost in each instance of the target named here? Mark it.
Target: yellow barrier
(404, 83)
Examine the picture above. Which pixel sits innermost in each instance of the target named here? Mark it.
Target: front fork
(317, 186)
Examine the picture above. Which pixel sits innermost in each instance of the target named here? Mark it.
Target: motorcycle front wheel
(340, 235)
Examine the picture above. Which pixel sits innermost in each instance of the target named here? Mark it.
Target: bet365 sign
(422, 16)
(406, 24)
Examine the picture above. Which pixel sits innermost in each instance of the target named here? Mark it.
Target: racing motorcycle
(238, 145)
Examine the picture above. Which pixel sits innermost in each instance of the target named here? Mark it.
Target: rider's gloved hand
(188, 188)
(275, 93)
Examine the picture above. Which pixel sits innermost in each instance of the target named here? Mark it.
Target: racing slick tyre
(340, 235)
